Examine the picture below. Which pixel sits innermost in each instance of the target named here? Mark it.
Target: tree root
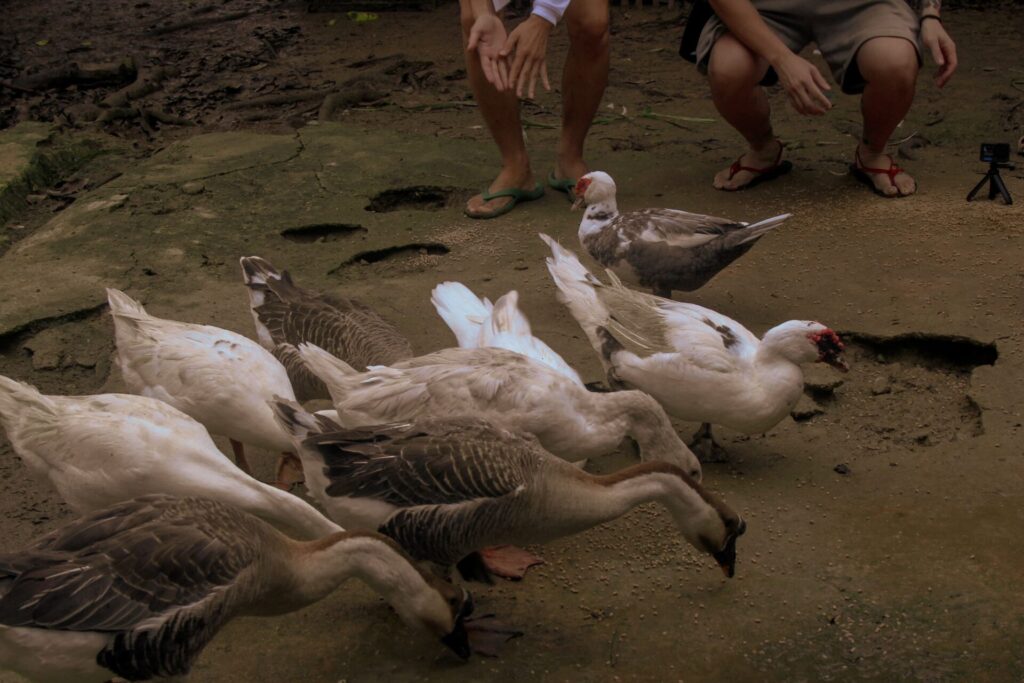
(147, 82)
(198, 21)
(74, 74)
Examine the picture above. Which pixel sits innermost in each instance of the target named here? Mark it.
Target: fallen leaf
(44, 41)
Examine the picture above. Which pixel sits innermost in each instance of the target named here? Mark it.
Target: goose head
(596, 187)
(806, 341)
(715, 532)
(441, 611)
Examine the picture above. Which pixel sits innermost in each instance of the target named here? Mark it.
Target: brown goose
(447, 488)
(664, 249)
(287, 315)
(137, 590)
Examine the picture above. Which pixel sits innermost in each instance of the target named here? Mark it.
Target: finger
(487, 64)
(807, 102)
(510, 45)
(534, 73)
(517, 67)
(544, 76)
(819, 80)
(951, 63)
(937, 56)
(506, 84)
(474, 38)
(817, 96)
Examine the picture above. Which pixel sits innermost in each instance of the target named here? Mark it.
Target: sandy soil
(883, 542)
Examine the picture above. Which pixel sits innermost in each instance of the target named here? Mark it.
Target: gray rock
(193, 187)
(880, 385)
(805, 409)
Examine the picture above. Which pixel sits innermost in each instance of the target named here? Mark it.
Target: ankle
(768, 146)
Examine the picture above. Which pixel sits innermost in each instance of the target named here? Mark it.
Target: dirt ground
(884, 518)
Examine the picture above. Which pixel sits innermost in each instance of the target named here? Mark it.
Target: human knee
(732, 66)
(590, 30)
(889, 63)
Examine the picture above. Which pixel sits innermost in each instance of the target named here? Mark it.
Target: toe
(906, 184)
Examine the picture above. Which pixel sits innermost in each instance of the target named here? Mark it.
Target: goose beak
(458, 640)
(726, 557)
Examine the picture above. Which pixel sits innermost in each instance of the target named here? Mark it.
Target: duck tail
(297, 422)
(21, 406)
(333, 371)
(577, 290)
(124, 307)
(756, 231)
(507, 318)
(462, 311)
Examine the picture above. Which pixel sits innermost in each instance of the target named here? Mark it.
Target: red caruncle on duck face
(581, 187)
(830, 348)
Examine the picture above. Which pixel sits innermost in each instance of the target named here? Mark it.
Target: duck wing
(674, 227)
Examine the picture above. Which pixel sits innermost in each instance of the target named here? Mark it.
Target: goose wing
(344, 327)
(431, 462)
(146, 559)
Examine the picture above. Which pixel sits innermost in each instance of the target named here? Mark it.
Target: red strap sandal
(777, 169)
(863, 174)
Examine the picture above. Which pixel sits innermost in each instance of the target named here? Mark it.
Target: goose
(286, 315)
(445, 488)
(217, 377)
(477, 323)
(100, 450)
(138, 590)
(664, 249)
(699, 364)
(509, 390)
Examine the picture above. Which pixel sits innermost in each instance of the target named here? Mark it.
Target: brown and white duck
(139, 589)
(663, 249)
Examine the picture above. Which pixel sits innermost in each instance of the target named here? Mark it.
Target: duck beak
(726, 557)
(839, 364)
(577, 204)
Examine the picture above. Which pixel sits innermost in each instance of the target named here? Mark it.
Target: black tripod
(995, 183)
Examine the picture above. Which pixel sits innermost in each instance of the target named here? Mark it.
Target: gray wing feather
(434, 462)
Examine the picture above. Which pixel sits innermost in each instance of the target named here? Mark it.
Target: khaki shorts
(839, 27)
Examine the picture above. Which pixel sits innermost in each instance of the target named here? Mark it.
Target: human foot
(879, 171)
(500, 197)
(567, 172)
(754, 167)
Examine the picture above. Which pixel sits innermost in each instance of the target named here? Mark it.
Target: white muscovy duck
(287, 315)
(700, 365)
(664, 249)
(477, 323)
(217, 377)
(454, 490)
(138, 590)
(100, 450)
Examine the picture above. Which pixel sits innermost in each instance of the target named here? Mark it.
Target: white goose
(139, 589)
(510, 391)
(700, 365)
(447, 488)
(664, 249)
(101, 450)
(477, 323)
(217, 377)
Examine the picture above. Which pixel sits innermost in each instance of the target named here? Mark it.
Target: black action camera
(995, 152)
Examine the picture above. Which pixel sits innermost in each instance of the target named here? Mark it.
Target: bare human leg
(734, 73)
(583, 81)
(501, 114)
(889, 66)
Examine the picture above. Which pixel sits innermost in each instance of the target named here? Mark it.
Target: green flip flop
(515, 193)
(566, 185)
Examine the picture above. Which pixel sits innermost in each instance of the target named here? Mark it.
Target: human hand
(943, 49)
(529, 42)
(486, 38)
(804, 84)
